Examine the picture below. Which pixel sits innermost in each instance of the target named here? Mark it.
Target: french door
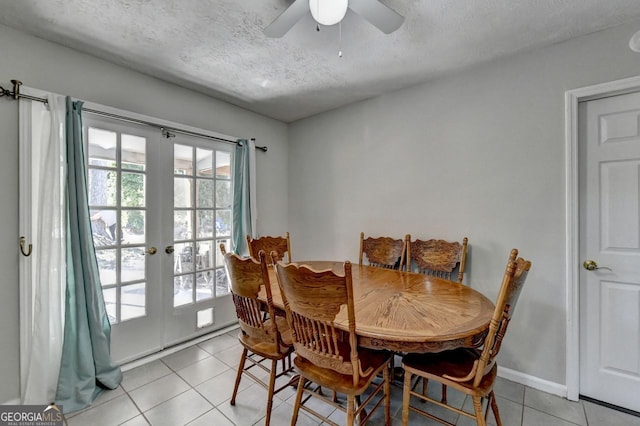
(160, 208)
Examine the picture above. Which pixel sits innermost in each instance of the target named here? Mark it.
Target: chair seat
(343, 383)
(454, 363)
(264, 348)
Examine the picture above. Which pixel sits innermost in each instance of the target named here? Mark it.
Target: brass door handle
(591, 265)
(152, 250)
(168, 249)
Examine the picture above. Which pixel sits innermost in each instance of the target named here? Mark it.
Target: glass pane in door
(117, 203)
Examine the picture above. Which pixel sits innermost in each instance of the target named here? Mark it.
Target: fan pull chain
(340, 39)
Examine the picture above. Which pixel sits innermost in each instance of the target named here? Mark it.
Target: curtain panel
(43, 276)
(86, 369)
(244, 195)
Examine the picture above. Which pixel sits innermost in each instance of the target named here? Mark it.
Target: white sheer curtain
(43, 223)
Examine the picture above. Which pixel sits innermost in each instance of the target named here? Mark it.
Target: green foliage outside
(133, 196)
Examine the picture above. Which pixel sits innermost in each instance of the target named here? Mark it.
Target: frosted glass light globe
(328, 12)
(634, 43)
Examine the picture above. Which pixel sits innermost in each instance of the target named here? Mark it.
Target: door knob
(591, 265)
(168, 249)
(152, 250)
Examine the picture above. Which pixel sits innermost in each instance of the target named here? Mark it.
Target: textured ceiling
(217, 46)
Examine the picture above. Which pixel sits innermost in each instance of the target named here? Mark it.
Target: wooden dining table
(405, 311)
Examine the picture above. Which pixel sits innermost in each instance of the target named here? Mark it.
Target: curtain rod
(166, 130)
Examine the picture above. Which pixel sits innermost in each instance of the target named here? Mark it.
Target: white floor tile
(105, 396)
(202, 370)
(281, 415)
(559, 407)
(219, 389)
(212, 418)
(532, 417)
(158, 391)
(144, 374)
(113, 412)
(509, 390)
(136, 421)
(230, 356)
(603, 416)
(220, 343)
(510, 413)
(251, 406)
(180, 410)
(185, 357)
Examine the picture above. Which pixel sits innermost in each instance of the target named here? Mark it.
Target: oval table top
(408, 312)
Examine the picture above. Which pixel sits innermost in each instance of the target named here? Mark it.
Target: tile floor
(193, 387)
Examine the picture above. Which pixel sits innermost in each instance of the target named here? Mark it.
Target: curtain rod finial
(262, 148)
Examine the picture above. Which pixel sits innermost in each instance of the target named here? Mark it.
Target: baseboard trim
(533, 382)
(14, 401)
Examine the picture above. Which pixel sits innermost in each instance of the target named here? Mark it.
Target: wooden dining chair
(260, 338)
(281, 245)
(383, 252)
(326, 356)
(471, 371)
(438, 257)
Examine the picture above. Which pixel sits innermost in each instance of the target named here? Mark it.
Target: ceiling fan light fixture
(328, 12)
(634, 42)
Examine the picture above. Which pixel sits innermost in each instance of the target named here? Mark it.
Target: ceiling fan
(330, 12)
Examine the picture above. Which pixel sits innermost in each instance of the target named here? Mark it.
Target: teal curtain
(86, 369)
(241, 197)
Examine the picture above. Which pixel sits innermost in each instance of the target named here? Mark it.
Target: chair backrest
(247, 276)
(281, 245)
(312, 299)
(383, 252)
(512, 283)
(438, 257)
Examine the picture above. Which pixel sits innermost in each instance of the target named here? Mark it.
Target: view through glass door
(202, 219)
(159, 209)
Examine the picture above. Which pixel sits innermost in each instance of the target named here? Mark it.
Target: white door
(120, 159)
(160, 208)
(198, 297)
(609, 162)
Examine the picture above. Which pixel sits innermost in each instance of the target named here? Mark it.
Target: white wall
(48, 66)
(477, 154)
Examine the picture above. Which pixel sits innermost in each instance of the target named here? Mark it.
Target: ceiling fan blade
(287, 19)
(383, 17)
